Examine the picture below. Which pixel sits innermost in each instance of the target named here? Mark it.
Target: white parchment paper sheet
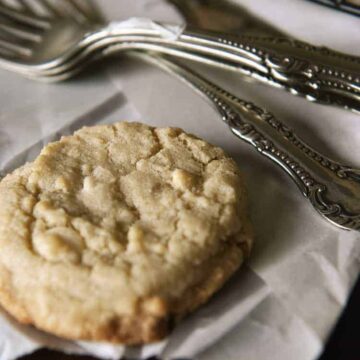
(284, 303)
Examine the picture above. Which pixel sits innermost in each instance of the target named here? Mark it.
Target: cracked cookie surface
(118, 230)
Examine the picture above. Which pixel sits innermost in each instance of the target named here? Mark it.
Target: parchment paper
(286, 300)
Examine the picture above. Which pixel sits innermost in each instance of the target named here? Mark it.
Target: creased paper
(285, 301)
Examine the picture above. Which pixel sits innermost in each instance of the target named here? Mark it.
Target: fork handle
(317, 73)
(332, 188)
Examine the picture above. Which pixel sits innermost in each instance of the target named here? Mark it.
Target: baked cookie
(116, 232)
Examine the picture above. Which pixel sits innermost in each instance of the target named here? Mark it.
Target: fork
(42, 45)
(332, 188)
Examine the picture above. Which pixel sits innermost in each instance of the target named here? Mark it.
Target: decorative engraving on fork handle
(317, 73)
(332, 188)
(314, 190)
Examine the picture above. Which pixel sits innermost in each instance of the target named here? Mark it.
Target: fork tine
(91, 10)
(71, 8)
(52, 10)
(78, 11)
(6, 53)
(13, 47)
(24, 5)
(22, 29)
(65, 8)
(23, 18)
(33, 9)
(20, 34)
(13, 4)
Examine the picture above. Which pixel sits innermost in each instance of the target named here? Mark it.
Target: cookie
(117, 232)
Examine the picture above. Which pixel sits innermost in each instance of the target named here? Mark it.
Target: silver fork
(61, 42)
(332, 188)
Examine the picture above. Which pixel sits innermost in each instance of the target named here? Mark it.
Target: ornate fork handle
(332, 188)
(317, 73)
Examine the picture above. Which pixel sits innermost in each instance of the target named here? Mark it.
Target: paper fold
(283, 304)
